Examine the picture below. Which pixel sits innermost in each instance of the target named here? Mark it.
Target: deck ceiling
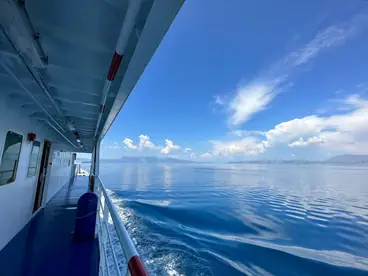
(79, 39)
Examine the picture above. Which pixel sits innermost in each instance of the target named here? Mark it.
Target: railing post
(135, 265)
(106, 212)
(105, 219)
(98, 219)
(102, 257)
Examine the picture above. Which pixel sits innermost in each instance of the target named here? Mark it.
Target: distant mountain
(145, 159)
(153, 159)
(340, 159)
(348, 159)
(274, 162)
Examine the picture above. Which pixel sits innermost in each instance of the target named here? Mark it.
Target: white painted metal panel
(17, 198)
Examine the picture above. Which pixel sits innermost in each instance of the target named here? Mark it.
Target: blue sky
(252, 80)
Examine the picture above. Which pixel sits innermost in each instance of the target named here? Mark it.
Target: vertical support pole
(93, 163)
(94, 166)
(91, 184)
(97, 159)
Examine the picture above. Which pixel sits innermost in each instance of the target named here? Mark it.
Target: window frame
(15, 171)
(30, 158)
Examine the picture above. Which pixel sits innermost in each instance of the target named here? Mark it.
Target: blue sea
(246, 219)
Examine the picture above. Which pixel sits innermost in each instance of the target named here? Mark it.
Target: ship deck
(45, 247)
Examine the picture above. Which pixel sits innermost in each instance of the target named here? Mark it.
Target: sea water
(255, 219)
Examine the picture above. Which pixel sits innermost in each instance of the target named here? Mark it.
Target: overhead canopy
(56, 55)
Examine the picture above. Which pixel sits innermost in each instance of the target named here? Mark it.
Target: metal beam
(71, 90)
(73, 72)
(62, 135)
(10, 72)
(76, 102)
(72, 112)
(39, 80)
(64, 90)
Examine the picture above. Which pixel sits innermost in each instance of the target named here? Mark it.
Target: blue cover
(85, 221)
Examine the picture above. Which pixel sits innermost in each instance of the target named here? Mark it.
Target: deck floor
(45, 247)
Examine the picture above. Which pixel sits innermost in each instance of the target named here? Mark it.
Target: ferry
(66, 69)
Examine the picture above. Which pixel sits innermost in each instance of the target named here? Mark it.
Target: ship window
(10, 158)
(32, 167)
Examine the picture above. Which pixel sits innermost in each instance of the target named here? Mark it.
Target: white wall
(17, 198)
(61, 173)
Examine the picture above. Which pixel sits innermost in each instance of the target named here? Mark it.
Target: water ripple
(258, 220)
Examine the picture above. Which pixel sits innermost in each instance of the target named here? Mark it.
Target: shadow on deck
(45, 247)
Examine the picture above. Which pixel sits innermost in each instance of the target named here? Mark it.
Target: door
(42, 175)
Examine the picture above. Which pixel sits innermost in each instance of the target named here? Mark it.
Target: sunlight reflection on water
(236, 219)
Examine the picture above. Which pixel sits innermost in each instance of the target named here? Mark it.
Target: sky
(252, 80)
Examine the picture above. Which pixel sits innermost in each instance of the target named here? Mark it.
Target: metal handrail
(135, 264)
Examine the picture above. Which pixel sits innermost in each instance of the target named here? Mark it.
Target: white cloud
(206, 155)
(169, 146)
(145, 142)
(129, 144)
(246, 146)
(187, 150)
(190, 152)
(302, 143)
(219, 100)
(355, 101)
(114, 145)
(293, 129)
(249, 100)
(346, 132)
(244, 133)
(330, 37)
(256, 95)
